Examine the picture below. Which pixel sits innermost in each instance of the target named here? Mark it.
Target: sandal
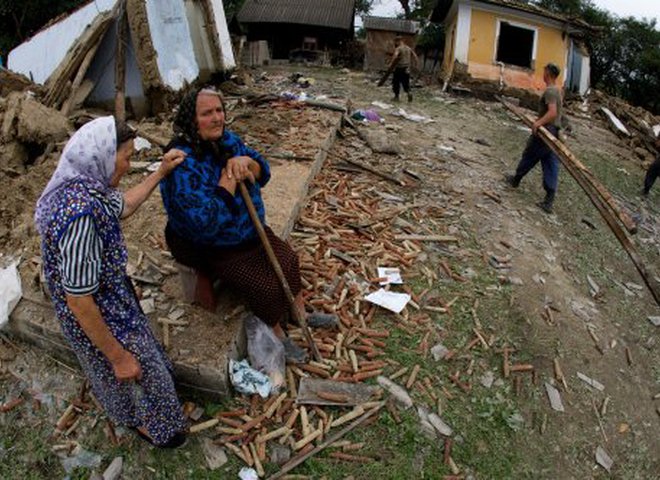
(176, 441)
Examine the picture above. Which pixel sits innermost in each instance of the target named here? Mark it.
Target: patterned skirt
(153, 403)
(245, 269)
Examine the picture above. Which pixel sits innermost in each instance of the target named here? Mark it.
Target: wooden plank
(120, 64)
(578, 172)
(294, 462)
(376, 172)
(70, 102)
(427, 238)
(355, 393)
(58, 80)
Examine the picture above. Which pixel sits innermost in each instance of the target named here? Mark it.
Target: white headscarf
(90, 154)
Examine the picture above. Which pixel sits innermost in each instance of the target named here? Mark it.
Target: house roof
(324, 13)
(390, 24)
(442, 8)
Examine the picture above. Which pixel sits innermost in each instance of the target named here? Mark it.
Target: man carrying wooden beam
(550, 111)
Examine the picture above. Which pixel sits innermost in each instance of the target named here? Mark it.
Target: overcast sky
(624, 8)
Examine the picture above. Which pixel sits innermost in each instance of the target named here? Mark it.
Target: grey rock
(113, 472)
(215, 455)
(399, 393)
(279, 454)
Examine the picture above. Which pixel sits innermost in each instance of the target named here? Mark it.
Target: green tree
(417, 9)
(625, 52)
(19, 20)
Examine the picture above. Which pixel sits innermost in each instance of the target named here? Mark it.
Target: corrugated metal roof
(390, 24)
(324, 13)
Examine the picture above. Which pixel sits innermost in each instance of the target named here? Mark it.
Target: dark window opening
(515, 45)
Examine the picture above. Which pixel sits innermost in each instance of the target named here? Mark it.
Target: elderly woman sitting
(209, 228)
(85, 266)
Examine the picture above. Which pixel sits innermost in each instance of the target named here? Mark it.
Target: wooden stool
(197, 288)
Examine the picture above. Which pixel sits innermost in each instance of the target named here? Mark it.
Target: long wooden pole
(120, 64)
(294, 462)
(586, 182)
(297, 314)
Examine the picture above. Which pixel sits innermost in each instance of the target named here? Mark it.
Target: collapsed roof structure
(163, 45)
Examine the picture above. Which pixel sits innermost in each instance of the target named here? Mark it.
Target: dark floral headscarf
(185, 123)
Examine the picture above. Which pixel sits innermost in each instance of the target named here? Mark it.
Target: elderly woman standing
(85, 260)
(209, 228)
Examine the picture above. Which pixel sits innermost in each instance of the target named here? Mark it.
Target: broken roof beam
(58, 83)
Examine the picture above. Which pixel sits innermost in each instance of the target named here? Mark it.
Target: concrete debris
(279, 454)
(29, 121)
(615, 122)
(398, 392)
(215, 455)
(591, 382)
(14, 82)
(428, 430)
(487, 379)
(439, 352)
(113, 472)
(440, 425)
(13, 157)
(655, 321)
(554, 397)
(603, 459)
(380, 141)
(148, 306)
(594, 288)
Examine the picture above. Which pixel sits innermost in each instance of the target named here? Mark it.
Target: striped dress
(84, 253)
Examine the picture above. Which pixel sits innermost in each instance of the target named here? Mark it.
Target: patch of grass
(24, 454)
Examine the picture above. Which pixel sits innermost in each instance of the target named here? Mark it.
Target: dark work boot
(395, 98)
(410, 98)
(513, 180)
(547, 203)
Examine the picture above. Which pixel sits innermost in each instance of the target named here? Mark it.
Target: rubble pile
(634, 125)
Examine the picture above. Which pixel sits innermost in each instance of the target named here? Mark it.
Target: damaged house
(381, 32)
(509, 42)
(299, 29)
(147, 48)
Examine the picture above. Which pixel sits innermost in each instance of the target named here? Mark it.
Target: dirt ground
(517, 264)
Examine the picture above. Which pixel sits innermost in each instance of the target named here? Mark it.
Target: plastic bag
(247, 380)
(10, 291)
(265, 351)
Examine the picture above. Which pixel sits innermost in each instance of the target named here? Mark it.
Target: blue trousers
(535, 152)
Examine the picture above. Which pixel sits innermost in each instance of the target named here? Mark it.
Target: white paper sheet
(393, 276)
(392, 301)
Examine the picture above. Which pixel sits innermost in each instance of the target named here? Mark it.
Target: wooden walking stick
(297, 314)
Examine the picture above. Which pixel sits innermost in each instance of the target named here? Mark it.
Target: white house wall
(40, 56)
(227, 52)
(585, 78)
(171, 36)
(463, 33)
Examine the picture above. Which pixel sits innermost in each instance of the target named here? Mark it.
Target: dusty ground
(509, 429)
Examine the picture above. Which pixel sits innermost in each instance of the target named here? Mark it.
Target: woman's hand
(171, 160)
(228, 182)
(126, 367)
(239, 169)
